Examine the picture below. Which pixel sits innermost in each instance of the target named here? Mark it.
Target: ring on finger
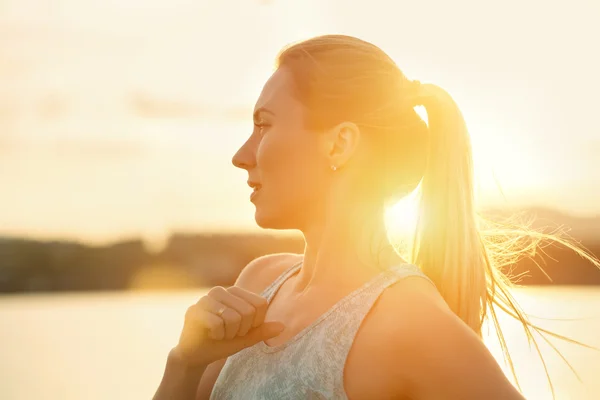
(221, 311)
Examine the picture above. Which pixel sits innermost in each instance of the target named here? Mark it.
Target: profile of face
(351, 115)
(285, 161)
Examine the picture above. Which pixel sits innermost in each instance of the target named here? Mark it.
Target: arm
(179, 381)
(441, 357)
(207, 382)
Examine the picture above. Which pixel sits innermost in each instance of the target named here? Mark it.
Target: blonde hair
(342, 78)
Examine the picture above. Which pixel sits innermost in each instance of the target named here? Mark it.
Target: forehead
(277, 93)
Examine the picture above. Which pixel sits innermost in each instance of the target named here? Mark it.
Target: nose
(245, 157)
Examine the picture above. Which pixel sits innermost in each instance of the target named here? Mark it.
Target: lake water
(113, 345)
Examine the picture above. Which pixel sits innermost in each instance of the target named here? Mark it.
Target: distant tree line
(204, 260)
(192, 260)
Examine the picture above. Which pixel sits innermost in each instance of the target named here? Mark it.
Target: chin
(271, 220)
(267, 221)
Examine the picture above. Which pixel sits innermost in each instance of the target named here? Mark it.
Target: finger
(252, 313)
(232, 322)
(199, 323)
(210, 304)
(230, 319)
(215, 325)
(245, 309)
(213, 306)
(260, 303)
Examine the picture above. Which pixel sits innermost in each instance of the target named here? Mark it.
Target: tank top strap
(345, 323)
(270, 290)
(357, 307)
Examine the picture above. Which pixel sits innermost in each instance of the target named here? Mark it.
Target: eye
(261, 126)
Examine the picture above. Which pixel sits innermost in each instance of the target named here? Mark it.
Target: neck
(345, 251)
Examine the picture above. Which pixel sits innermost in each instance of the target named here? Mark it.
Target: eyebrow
(262, 109)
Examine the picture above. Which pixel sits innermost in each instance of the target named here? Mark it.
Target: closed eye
(261, 126)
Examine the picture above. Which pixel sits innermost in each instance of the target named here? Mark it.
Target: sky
(119, 118)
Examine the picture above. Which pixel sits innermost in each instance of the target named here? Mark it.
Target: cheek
(289, 164)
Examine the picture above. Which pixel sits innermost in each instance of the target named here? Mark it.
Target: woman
(335, 140)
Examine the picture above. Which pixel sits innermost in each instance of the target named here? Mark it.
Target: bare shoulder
(420, 348)
(385, 342)
(416, 304)
(262, 271)
(418, 316)
(408, 306)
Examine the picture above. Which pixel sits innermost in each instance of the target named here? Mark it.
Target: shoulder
(415, 303)
(419, 315)
(398, 324)
(416, 322)
(262, 271)
(424, 349)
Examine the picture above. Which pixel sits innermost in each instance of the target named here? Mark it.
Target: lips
(256, 188)
(254, 185)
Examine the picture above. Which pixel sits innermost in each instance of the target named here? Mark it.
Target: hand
(221, 323)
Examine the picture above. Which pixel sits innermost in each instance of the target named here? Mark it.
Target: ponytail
(461, 252)
(447, 244)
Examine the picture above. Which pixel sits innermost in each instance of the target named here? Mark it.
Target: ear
(340, 143)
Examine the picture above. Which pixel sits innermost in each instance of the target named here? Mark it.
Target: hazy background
(118, 121)
(119, 118)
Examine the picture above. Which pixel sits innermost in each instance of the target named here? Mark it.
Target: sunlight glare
(401, 218)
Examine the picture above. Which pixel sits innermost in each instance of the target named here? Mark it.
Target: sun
(401, 218)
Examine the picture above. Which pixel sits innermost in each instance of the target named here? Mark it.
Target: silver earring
(333, 168)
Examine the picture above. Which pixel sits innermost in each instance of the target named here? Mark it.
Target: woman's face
(287, 169)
